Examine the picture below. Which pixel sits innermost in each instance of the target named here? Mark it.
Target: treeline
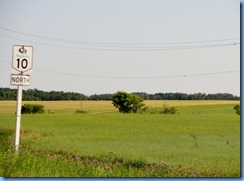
(184, 96)
(38, 95)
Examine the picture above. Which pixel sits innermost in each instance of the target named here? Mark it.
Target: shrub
(32, 109)
(80, 111)
(237, 108)
(158, 110)
(168, 110)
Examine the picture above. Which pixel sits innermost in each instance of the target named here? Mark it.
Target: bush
(80, 111)
(158, 110)
(32, 109)
(237, 108)
(168, 110)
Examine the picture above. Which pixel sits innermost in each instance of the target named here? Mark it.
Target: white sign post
(21, 71)
(18, 118)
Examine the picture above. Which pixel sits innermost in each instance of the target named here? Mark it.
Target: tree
(237, 108)
(127, 103)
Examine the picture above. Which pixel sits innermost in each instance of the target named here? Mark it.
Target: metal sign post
(20, 76)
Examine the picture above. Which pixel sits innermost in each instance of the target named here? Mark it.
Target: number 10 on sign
(22, 59)
(23, 64)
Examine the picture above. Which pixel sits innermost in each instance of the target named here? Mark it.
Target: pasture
(201, 139)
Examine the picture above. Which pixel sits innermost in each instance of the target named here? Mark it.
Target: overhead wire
(91, 43)
(109, 46)
(132, 49)
(126, 47)
(142, 77)
(131, 77)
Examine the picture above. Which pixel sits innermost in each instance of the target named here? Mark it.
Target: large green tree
(127, 103)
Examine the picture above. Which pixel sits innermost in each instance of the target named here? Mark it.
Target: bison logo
(22, 50)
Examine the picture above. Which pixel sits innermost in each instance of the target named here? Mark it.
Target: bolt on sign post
(20, 76)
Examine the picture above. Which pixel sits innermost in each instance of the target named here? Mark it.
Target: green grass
(61, 164)
(200, 140)
(33, 163)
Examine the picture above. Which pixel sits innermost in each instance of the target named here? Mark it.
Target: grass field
(97, 107)
(201, 139)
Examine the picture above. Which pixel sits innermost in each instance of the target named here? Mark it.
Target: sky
(105, 46)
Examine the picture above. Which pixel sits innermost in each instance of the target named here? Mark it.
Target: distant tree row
(35, 94)
(184, 96)
(38, 95)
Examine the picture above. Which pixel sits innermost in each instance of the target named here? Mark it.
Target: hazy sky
(102, 46)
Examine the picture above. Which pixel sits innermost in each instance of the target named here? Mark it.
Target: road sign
(22, 59)
(20, 79)
(21, 71)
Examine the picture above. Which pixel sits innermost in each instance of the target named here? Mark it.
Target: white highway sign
(22, 59)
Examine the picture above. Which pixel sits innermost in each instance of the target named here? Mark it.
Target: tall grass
(201, 140)
(38, 163)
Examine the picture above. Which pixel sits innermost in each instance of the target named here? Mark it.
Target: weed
(195, 138)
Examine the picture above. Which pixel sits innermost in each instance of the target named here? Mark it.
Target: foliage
(35, 94)
(100, 97)
(127, 103)
(159, 110)
(184, 96)
(169, 110)
(32, 109)
(237, 108)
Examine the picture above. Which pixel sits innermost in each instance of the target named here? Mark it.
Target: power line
(135, 49)
(145, 77)
(110, 43)
(129, 77)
